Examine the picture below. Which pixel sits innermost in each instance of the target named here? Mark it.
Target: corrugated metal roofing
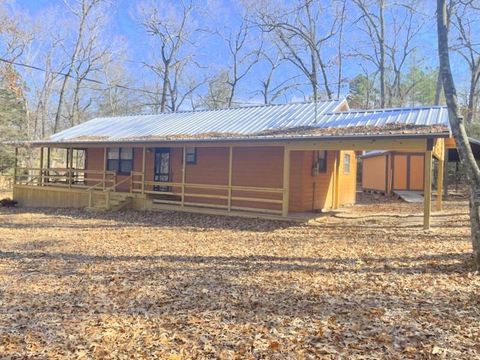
(242, 121)
(247, 121)
(418, 116)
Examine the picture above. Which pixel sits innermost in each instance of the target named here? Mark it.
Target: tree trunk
(382, 56)
(458, 129)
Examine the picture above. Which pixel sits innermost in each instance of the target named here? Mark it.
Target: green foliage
(419, 86)
(363, 93)
(12, 124)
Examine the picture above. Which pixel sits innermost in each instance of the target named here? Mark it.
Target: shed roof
(287, 121)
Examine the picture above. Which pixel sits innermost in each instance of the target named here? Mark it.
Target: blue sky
(213, 52)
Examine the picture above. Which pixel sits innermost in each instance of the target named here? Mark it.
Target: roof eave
(271, 138)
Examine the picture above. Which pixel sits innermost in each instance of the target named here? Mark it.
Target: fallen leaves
(180, 286)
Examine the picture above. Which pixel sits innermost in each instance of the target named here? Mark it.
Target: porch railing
(226, 197)
(62, 177)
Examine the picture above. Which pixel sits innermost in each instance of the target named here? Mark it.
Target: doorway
(162, 168)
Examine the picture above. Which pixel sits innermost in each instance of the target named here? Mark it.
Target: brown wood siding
(252, 166)
(374, 172)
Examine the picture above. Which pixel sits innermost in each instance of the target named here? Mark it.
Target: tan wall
(416, 172)
(407, 171)
(374, 172)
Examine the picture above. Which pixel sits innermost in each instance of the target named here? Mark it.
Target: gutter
(267, 138)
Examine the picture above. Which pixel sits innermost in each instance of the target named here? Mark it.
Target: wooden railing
(222, 196)
(225, 197)
(72, 178)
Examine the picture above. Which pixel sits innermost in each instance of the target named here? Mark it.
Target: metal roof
(255, 122)
(241, 121)
(418, 116)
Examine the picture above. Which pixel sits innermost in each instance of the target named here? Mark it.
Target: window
(191, 155)
(322, 161)
(346, 164)
(120, 160)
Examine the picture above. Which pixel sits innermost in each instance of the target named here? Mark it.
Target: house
(275, 159)
(389, 171)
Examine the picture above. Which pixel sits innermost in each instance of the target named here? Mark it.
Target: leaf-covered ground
(368, 282)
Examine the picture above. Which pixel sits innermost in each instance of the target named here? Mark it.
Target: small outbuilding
(389, 171)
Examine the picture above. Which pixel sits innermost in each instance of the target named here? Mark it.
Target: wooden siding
(252, 166)
(403, 170)
(374, 173)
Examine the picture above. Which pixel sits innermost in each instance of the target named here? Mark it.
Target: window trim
(346, 171)
(194, 161)
(322, 170)
(119, 161)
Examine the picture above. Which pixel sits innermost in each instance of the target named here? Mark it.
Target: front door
(162, 168)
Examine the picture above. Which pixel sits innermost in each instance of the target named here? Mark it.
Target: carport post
(427, 187)
(441, 165)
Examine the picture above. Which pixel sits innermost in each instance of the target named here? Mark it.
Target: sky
(213, 52)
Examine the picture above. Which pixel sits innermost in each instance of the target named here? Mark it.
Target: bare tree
(82, 10)
(242, 56)
(465, 23)
(270, 89)
(172, 29)
(301, 39)
(373, 18)
(457, 124)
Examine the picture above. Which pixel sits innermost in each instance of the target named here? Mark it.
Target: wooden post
(143, 168)
(15, 166)
(184, 166)
(41, 167)
(104, 166)
(69, 166)
(286, 180)
(445, 175)
(47, 172)
(230, 171)
(427, 190)
(441, 164)
(336, 189)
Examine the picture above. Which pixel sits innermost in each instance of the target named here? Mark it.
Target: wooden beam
(360, 144)
(427, 190)
(69, 165)
(144, 156)
(286, 180)
(441, 165)
(336, 189)
(104, 166)
(184, 170)
(41, 166)
(230, 171)
(445, 174)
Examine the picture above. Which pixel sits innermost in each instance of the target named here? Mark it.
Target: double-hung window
(120, 160)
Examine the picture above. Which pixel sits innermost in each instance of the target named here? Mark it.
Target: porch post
(427, 187)
(445, 174)
(230, 170)
(441, 164)
(184, 165)
(143, 168)
(15, 166)
(70, 165)
(41, 167)
(104, 166)
(336, 188)
(286, 180)
(47, 172)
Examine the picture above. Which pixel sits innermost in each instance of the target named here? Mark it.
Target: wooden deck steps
(117, 202)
